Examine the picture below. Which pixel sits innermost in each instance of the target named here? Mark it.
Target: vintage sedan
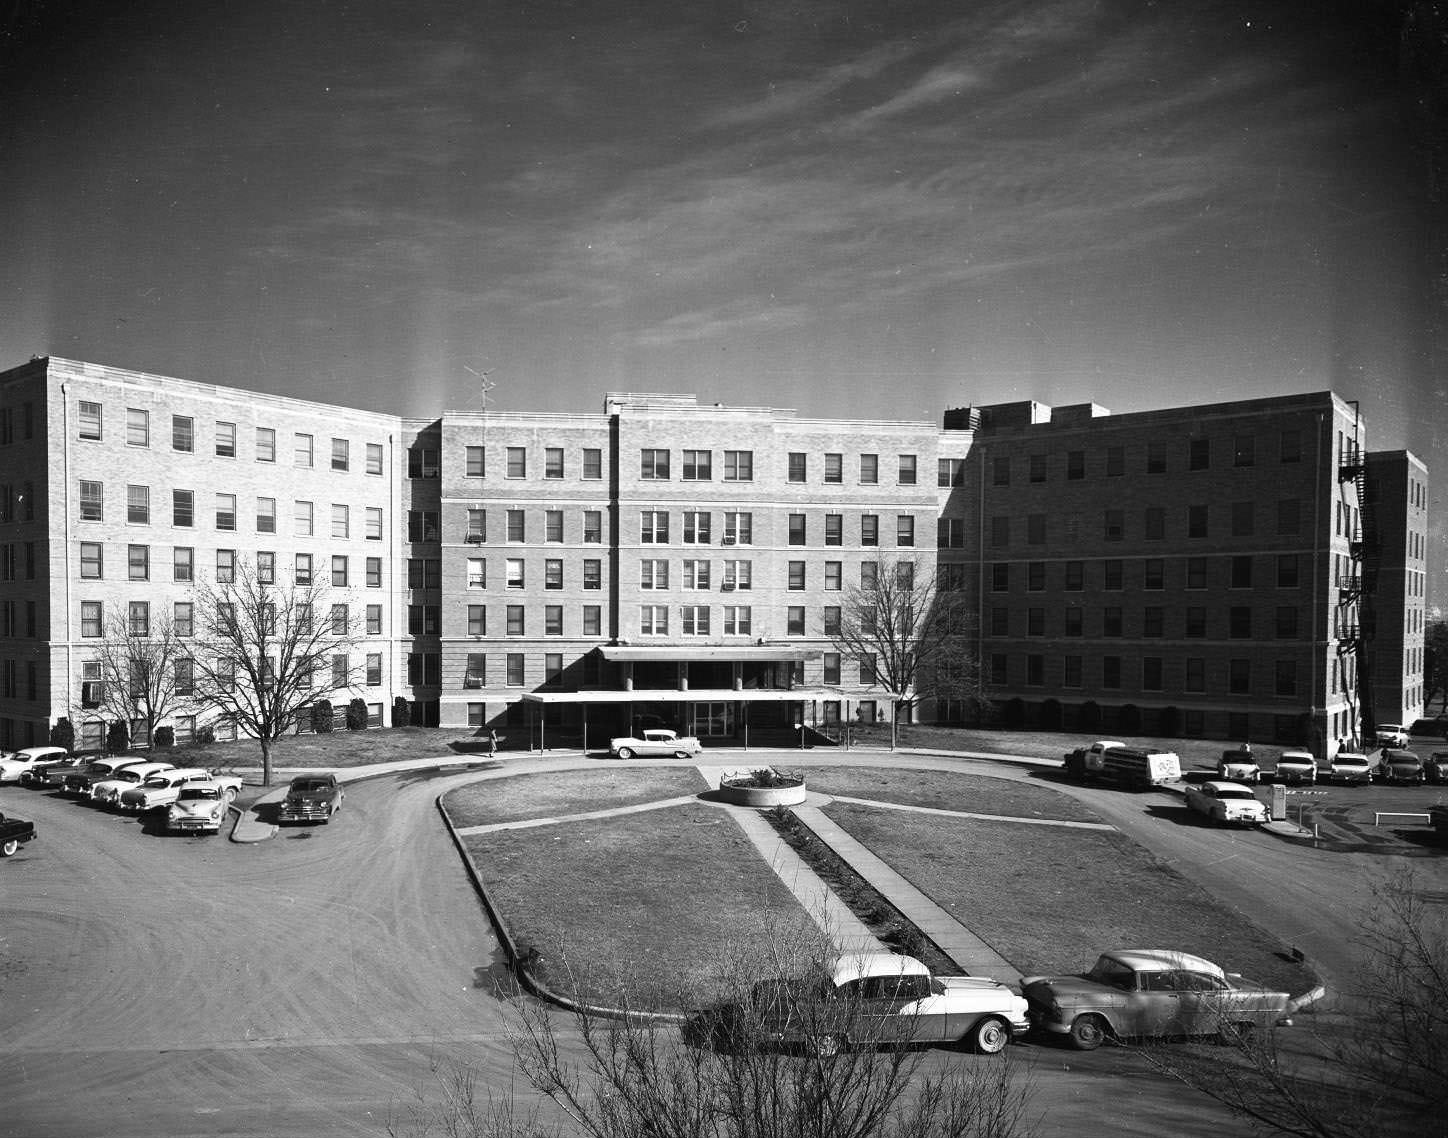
(875, 998)
(312, 798)
(1350, 768)
(1296, 768)
(164, 787)
(655, 741)
(107, 791)
(1390, 735)
(1154, 992)
(1229, 803)
(1239, 765)
(1398, 765)
(200, 808)
(1435, 767)
(13, 767)
(13, 833)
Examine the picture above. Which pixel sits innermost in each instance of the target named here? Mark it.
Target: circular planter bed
(762, 788)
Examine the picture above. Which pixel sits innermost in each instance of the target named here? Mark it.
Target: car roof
(1224, 784)
(1350, 757)
(1305, 756)
(860, 964)
(1156, 959)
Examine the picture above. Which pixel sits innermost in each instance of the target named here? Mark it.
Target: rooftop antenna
(485, 385)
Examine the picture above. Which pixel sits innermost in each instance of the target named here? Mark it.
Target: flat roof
(654, 653)
(676, 695)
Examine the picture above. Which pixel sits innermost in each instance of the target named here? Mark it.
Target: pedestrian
(492, 742)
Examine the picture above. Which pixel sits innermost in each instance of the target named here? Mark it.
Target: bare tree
(145, 669)
(915, 635)
(624, 1074)
(1372, 1068)
(268, 651)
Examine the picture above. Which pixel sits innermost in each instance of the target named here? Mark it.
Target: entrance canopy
(693, 695)
(629, 653)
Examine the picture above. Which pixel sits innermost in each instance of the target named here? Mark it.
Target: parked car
(1239, 765)
(1154, 992)
(107, 790)
(164, 787)
(200, 808)
(884, 998)
(1350, 768)
(49, 771)
(14, 765)
(1109, 760)
(655, 741)
(78, 782)
(312, 798)
(13, 833)
(1435, 767)
(1390, 735)
(1396, 765)
(1229, 803)
(1296, 768)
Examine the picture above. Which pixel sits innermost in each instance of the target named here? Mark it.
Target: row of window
(17, 558)
(1072, 576)
(24, 414)
(90, 421)
(305, 566)
(92, 505)
(1155, 459)
(1189, 674)
(17, 502)
(1110, 622)
(1243, 523)
(183, 619)
(19, 620)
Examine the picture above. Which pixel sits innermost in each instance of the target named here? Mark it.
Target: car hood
(197, 806)
(1071, 990)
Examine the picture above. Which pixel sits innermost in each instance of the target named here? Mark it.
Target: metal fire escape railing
(1357, 620)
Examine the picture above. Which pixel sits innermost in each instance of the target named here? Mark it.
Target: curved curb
(530, 983)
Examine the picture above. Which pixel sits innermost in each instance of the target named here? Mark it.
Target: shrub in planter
(322, 716)
(165, 737)
(401, 712)
(62, 734)
(763, 778)
(356, 714)
(118, 738)
(205, 735)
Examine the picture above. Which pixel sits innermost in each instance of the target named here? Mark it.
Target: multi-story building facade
(1204, 571)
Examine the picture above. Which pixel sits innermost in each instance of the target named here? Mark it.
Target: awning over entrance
(631, 653)
(696, 695)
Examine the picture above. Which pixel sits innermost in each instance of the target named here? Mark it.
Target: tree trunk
(266, 762)
(894, 723)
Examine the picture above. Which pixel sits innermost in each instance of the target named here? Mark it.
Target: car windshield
(1234, 792)
(307, 785)
(198, 793)
(1113, 974)
(157, 780)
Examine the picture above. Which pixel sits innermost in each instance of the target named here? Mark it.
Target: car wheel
(681, 754)
(625, 752)
(989, 1036)
(826, 1046)
(1088, 1032)
(9, 848)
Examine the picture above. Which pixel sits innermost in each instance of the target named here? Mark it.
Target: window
(738, 575)
(421, 462)
(1075, 576)
(373, 517)
(869, 529)
(1242, 518)
(592, 573)
(1035, 622)
(1035, 576)
(1155, 523)
(374, 572)
(592, 463)
(738, 528)
(1199, 454)
(905, 530)
(552, 620)
(225, 440)
(138, 427)
(1036, 529)
(593, 527)
(1152, 621)
(1000, 471)
(226, 511)
(869, 469)
(798, 466)
(1073, 622)
(1241, 572)
(654, 620)
(1000, 621)
(302, 569)
(654, 465)
(1196, 622)
(1036, 467)
(183, 564)
(794, 621)
(92, 501)
(796, 576)
(513, 573)
(1287, 571)
(1000, 577)
(696, 527)
(654, 527)
(1111, 575)
(1111, 621)
(907, 470)
(1196, 674)
(697, 465)
(478, 620)
(1196, 521)
(1114, 525)
(341, 521)
(266, 444)
(341, 459)
(422, 525)
(1153, 573)
(183, 433)
(553, 573)
(302, 518)
(1115, 462)
(517, 462)
(374, 459)
(1035, 670)
(695, 620)
(1239, 622)
(869, 574)
(1239, 677)
(834, 576)
(1075, 465)
(1196, 572)
(1111, 672)
(302, 451)
(339, 620)
(515, 525)
(1288, 515)
(1287, 622)
(341, 666)
(696, 574)
(477, 530)
(738, 466)
(89, 420)
(1244, 450)
(831, 664)
(477, 573)
(423, 620)
(834, 529)
(1151, 673)
(373, 678)
(950, 472)
(138, 618)
(90, 618)
(834, 468)
(473, 462)
(339, 571)
(1289, 446)
(796, 529)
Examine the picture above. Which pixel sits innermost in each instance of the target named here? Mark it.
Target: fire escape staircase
(1356, 590)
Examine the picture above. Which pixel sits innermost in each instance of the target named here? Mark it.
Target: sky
(849, 207)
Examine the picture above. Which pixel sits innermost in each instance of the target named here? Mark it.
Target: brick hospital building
(1245, 570)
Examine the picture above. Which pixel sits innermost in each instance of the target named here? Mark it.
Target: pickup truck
(1113, 761)
(12, 833)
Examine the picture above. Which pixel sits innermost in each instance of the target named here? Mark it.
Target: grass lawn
(334, 749)
(544, 795)
(639, 904)
(1050, 899)
(944, 790)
